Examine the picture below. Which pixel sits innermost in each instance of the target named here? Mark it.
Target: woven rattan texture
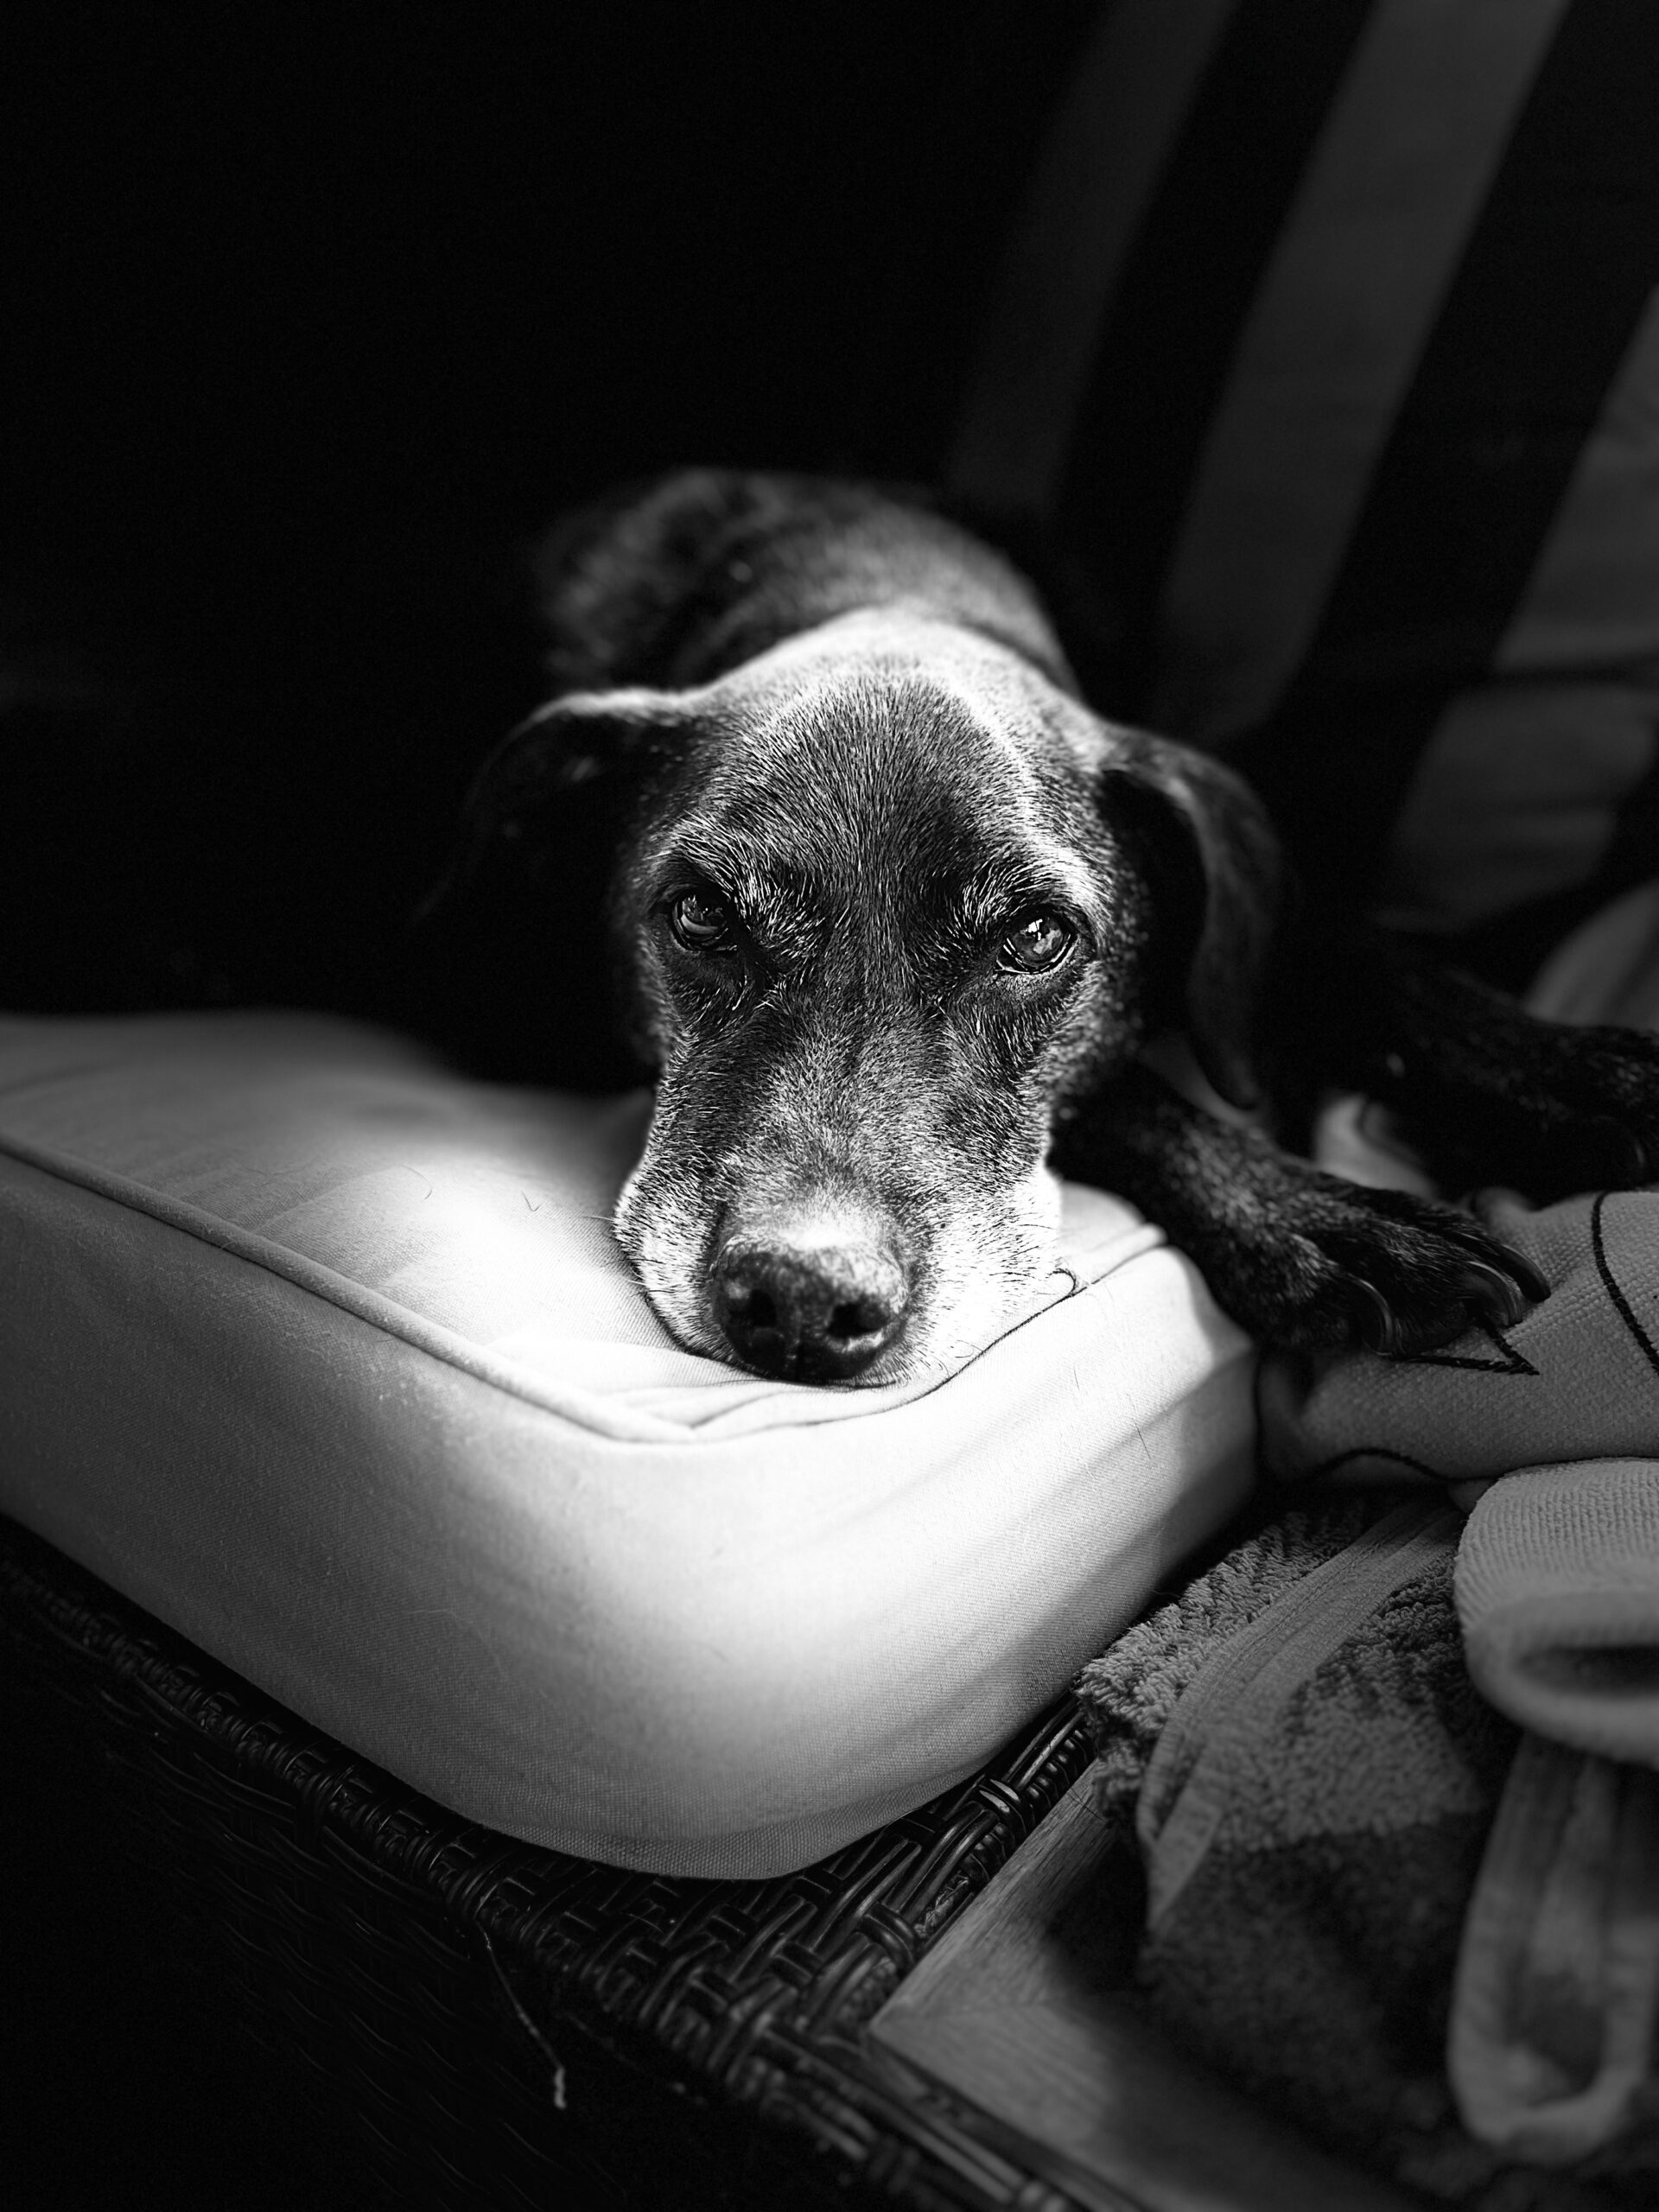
(511, 2026)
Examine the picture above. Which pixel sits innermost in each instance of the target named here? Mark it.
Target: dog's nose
(810, 1311)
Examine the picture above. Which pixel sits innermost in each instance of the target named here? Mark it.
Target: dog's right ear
(1211, 859)
(509, 960)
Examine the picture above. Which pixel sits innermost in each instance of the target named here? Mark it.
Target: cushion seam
(365, 1304)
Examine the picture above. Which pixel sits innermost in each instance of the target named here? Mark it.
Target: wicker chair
(494, 2024)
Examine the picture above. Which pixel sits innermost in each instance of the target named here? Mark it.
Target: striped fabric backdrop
(1317, 341)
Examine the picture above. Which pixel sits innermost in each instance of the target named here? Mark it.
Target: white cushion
(325, 1356)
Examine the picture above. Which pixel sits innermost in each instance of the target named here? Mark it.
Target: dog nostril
(859, 1317)
(760, 1310)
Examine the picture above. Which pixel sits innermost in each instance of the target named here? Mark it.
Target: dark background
(312, 317)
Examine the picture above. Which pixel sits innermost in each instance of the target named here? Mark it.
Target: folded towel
(1312, 1779)
(1558, 1592)
(1551, 2042)
(1311, 1776)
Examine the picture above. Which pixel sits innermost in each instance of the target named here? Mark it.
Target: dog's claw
(1379, 1330)
(1533, 1285)
(1492, 1295)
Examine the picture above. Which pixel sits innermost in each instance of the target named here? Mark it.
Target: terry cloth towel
(1551, 2049)
(1551, 2044)
(1558, 1592)
(1312, 1778)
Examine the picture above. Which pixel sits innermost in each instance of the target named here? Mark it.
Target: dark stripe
(1173, 328)
(1508, 949)
(972, 152)
(1545, 305)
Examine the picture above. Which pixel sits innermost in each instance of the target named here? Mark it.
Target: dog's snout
(794, 1304)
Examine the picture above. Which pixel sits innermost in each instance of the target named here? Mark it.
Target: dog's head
(875, 907)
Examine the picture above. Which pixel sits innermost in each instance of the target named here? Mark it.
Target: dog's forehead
(925, 751)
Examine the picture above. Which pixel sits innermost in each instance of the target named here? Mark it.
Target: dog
(815, 833)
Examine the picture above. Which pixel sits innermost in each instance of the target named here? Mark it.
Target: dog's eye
(1041, 940)
(702, 921)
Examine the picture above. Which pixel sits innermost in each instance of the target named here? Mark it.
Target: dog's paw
(1379, 1269)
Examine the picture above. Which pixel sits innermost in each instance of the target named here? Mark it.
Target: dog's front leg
(1298, 1257)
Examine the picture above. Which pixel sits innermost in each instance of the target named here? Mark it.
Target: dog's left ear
(1205, 843)
(509, 956)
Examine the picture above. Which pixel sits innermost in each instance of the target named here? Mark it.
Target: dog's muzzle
(808, 1300)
